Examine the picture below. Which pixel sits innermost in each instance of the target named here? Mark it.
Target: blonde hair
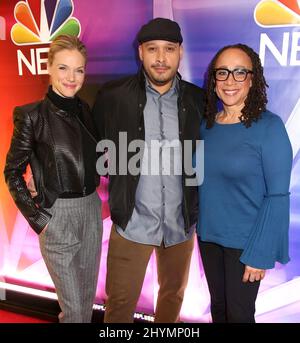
(67, 42)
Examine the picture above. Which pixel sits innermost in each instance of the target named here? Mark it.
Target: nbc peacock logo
(39, 22)
(277, 13)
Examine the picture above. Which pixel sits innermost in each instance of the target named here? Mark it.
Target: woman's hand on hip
(31, 187)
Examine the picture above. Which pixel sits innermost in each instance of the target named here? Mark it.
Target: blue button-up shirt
(157, 215)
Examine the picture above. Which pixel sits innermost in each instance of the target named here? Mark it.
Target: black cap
(160, 29)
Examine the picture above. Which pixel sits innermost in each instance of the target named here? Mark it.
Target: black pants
(232, 301)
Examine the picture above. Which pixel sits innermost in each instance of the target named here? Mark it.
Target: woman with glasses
(244, 198)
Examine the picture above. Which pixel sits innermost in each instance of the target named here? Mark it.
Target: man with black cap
(150, 212)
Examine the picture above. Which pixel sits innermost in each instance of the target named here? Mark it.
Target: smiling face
(67, 72)
(161, 61)
(233, 93)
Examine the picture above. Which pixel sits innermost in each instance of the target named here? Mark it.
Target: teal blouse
(244, 198)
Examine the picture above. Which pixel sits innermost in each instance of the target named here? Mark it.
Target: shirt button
(140, 105)
(184, 109)
(140, 128)
(164, 204)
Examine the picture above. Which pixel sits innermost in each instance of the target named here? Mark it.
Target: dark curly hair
(256, 100)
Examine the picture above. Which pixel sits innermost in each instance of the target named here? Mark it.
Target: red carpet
(11, 317)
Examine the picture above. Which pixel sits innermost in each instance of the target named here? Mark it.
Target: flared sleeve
(268, 241)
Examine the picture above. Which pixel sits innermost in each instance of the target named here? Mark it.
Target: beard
(160, 79)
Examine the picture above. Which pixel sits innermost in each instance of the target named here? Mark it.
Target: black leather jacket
(49, 140)
(118, 108)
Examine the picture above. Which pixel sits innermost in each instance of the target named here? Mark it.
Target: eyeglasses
(239, 74)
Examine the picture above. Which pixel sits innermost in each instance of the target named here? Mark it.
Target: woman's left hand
(253, 274)
(31, 187)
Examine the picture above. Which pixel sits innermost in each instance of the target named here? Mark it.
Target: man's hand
(253, 274)
(31, 187)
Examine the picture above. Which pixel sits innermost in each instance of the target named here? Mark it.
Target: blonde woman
(55, 137)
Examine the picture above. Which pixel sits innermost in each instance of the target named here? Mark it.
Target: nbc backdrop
(108, 28)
